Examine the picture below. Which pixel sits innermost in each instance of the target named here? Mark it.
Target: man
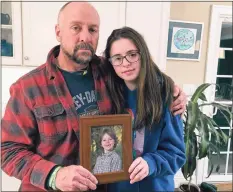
(40, 126)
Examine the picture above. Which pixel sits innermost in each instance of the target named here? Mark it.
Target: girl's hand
(138, 170)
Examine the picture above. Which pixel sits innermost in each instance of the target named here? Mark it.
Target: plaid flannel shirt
(40, 126)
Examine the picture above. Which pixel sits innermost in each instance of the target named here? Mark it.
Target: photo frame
(106, 146)
(184, 40)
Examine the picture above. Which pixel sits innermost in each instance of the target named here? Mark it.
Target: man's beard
(78, 59)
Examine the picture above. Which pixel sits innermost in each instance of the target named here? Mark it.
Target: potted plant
(198, 128)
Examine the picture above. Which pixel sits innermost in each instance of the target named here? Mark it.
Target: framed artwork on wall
(106, 146)
(184, 40)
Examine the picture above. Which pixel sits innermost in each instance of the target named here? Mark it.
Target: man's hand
(179, 104)
(138, 170)
(75, 178)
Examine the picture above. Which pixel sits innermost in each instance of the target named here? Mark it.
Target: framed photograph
(106, 146)
(184, 40)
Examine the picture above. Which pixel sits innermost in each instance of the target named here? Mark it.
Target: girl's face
(107, 142)
(128, 71)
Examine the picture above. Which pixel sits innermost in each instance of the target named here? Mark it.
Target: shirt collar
(51, 64)
(109, 153)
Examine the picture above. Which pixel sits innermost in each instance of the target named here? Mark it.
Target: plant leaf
(193, 113)
(211, 167)
(220, 107)
(212, 129)
(213, 148)
(217, 168)
(204, 133)
(191, 153)
(199, 91)
(202, 97)
(227, 118)
(222, 134)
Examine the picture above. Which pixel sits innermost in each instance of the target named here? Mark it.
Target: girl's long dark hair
(154, 88)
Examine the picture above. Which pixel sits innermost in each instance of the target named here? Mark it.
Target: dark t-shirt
(82, 89)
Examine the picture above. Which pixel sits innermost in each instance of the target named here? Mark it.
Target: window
(219, 71)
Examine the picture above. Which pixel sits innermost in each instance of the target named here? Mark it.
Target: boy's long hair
(154, 88)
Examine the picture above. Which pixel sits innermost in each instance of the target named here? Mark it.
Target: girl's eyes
(132, 55)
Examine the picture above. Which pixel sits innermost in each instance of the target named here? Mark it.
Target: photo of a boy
(109, 160)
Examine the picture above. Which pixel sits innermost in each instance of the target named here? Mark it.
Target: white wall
(40, 35)
(151, 20)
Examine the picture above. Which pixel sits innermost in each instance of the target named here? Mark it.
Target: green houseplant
(198, 128)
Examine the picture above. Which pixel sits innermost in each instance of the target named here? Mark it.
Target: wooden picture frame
(91, 128)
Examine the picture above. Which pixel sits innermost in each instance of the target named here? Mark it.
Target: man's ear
(58, 32)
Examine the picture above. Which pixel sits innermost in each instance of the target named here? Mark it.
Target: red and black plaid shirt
(40, 125)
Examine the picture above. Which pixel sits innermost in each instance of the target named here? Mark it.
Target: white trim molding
(164, 26)
(122, 14)
(219, 13)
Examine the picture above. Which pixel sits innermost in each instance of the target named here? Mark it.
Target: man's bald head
(77, 31)
(77, 6)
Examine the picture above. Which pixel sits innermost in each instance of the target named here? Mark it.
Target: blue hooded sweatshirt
(163, 150)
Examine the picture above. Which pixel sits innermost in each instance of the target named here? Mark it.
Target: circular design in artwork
(184, 39)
